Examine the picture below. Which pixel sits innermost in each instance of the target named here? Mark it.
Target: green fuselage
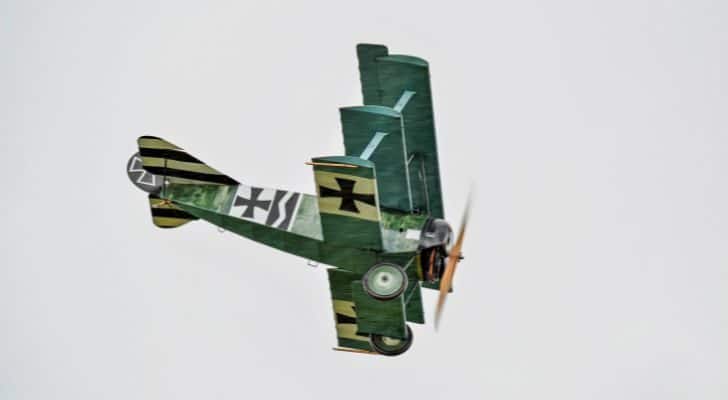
(213, 203)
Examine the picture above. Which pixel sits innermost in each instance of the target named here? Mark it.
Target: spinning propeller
(452, 262)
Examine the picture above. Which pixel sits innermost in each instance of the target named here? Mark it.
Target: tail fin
(166, 215)
(163, 158)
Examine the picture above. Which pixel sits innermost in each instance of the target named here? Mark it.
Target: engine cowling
(436, 232)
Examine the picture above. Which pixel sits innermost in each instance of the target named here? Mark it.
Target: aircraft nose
(437, 232)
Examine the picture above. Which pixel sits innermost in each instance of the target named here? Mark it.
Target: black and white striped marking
(272, 207)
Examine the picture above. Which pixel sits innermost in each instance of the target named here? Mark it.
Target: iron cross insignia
(252, 202)
(347, 195)
(140, 177)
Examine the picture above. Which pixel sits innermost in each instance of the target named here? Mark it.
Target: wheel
(385, 281)
(389, 346)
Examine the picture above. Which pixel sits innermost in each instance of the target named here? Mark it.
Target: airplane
(377, 218)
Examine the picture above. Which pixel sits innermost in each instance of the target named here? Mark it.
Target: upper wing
(396, 130)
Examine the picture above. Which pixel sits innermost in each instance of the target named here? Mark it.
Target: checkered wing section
(348, 202)
(345, 316)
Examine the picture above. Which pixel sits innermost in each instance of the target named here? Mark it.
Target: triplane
(377, 218)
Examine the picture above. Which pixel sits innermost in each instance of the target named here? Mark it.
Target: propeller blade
(452, 263)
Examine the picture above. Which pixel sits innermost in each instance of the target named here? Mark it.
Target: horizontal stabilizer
(163, 158)
(167, 215)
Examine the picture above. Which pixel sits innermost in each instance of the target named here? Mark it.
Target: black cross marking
(347, 195)
(252, 202)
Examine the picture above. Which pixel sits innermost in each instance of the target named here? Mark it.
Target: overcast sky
(595, 133)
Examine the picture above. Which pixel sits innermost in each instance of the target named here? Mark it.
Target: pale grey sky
(595, 133)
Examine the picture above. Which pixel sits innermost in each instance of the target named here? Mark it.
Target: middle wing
(376, 133)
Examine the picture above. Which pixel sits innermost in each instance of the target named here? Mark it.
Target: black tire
(384, 345)
(385, 281)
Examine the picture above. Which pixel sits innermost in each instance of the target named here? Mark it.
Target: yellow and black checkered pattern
(347, 195)
(346, 321)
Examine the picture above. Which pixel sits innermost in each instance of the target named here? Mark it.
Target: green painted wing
(377, 133)
(386, 318)
(357, 315)
(402, 83)
(345, 314)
